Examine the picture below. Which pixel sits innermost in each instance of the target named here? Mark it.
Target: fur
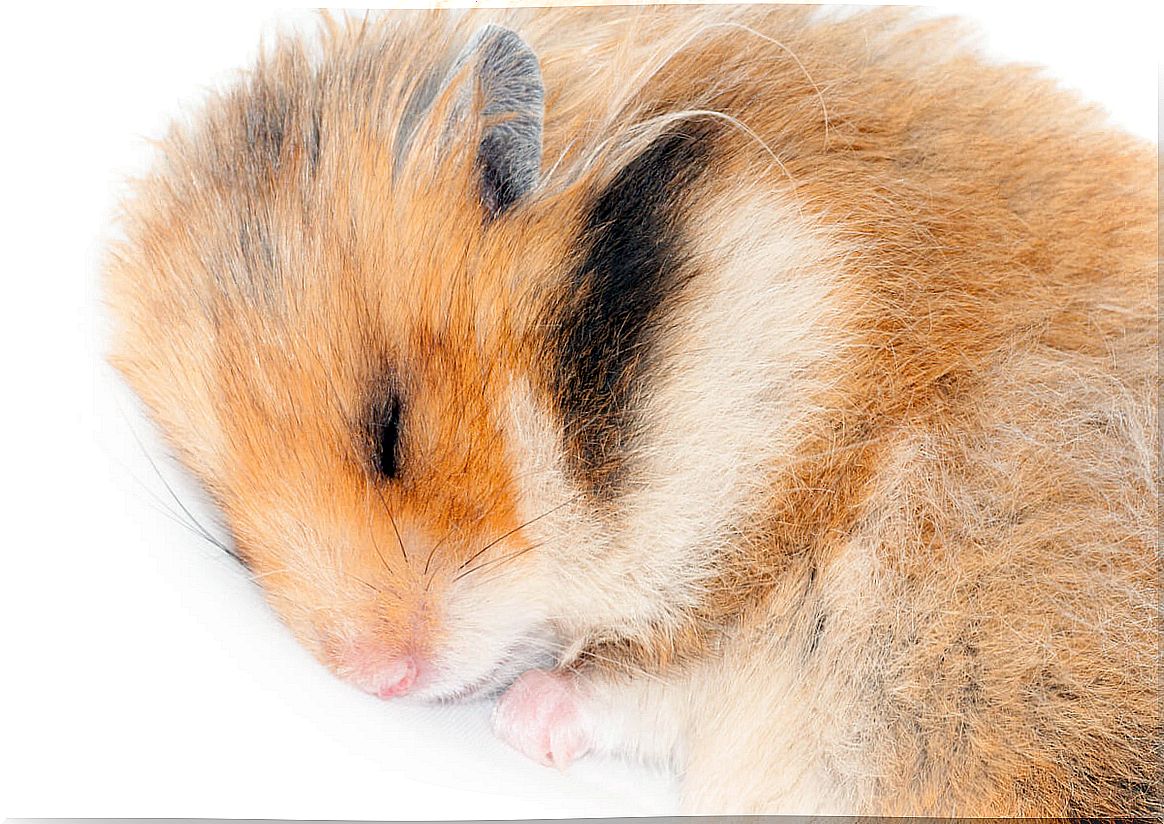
(800, 409)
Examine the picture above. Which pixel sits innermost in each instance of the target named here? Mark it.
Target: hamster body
(768, 395)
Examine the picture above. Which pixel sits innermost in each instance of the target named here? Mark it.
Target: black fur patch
(633, 262)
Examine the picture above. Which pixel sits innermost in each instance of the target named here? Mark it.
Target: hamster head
(354, 311)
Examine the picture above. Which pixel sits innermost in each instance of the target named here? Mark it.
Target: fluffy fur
(800, 411)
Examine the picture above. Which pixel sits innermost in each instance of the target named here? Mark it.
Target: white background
(141, 674)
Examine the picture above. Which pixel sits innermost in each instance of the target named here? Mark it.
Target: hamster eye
(386, 438)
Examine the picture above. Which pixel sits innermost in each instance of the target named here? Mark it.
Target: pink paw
(540, 715)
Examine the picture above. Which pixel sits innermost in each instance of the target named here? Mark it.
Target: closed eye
(386, 439)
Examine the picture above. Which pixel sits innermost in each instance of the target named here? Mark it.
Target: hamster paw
(541, 716)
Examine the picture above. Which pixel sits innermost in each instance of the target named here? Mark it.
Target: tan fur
(936, 406)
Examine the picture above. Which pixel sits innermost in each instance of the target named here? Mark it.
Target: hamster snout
(379, 671)
(449, 660)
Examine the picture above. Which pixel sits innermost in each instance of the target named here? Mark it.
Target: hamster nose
(392, 678)
(378, 669)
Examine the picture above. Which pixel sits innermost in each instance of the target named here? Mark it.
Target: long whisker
(432, 552)
(392, 520)
(449, 532)
(158, 503)
(451, 529)
(372, 532)
(158, 506)
(502, 559)
(517, 528)
(197, 525)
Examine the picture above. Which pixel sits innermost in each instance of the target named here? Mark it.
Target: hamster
(762, 393)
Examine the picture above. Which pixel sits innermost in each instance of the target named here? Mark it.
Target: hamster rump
(766, 394)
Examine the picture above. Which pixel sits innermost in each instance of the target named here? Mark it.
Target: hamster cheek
(542, 716)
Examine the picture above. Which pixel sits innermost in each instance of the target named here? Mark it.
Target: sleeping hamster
(765, 394)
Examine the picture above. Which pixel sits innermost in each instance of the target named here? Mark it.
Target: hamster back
(768, 394)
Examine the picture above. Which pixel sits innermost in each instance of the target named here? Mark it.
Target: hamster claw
(540, 715)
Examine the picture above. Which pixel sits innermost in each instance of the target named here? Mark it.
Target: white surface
(142, 674)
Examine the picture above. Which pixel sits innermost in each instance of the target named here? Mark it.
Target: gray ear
(510, 82)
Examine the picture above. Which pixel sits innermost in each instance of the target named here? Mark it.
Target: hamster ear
(512, 107)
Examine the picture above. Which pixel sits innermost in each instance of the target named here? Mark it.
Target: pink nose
(390, 679)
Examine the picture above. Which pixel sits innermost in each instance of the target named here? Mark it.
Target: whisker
(517, 528)
(378, 589)
(396, 529)
(431, 553)
(197, 526)
(502, 559)
(371, 530)
(480, 517)
(158, 506)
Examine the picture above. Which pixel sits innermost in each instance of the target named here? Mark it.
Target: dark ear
(512, 102)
